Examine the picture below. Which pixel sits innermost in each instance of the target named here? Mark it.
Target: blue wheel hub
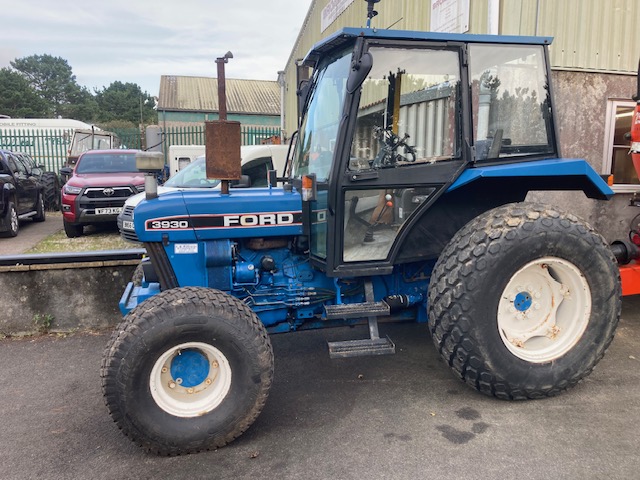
(523, 301)
(191, 366)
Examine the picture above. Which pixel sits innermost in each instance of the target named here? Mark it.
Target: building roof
(194, 94)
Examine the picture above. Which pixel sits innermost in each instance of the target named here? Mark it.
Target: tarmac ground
(402, 416)
(30, 233)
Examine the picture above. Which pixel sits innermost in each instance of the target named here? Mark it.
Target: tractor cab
(392, 120)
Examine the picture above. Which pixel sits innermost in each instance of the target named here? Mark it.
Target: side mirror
(303, 92)
(65, 173)
(359, 72)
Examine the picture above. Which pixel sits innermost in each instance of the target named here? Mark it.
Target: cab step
(361, 348)
(357, 310)
(374, 345)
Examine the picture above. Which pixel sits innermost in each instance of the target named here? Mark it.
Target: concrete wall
(82, 296)
(580, 108)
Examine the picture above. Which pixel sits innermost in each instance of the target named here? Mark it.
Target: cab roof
(345, 35)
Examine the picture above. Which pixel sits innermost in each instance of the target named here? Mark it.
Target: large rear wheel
(524, 301)
(187, 370)
(51, 184)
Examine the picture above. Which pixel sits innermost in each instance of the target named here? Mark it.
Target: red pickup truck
(99, 184)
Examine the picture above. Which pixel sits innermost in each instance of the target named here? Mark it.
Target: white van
(182, 155)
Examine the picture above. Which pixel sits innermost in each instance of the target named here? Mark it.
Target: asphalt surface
(30, 233)
(394, 417)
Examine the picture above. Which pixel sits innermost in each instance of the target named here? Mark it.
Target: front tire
(40, 215)
(51, 184)
(187, 370)
(524, 301)
(72, 230)
(11, 221)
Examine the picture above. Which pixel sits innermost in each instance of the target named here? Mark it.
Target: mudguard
(549, 174)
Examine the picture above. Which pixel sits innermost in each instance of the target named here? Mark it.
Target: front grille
(108, 192)
(127, 215)
(89, 204)
(104, 197)
(129, 235)
(162, 265)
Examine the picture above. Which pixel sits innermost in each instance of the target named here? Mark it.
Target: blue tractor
(404, 199)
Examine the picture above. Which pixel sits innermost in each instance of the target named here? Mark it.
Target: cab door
(406, 147)
(26, 185)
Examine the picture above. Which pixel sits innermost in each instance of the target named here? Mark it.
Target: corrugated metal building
(594, 59)
(187, 101)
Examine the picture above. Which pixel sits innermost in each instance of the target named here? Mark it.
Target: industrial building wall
(589, 35)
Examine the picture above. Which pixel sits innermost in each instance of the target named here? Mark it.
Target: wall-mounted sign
(450, 16)
(332, 11)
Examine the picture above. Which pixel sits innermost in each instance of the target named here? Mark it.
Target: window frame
(609, 136)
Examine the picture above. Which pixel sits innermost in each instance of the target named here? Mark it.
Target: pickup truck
(99, 184)
(21, 194)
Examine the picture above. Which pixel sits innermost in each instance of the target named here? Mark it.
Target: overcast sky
(139, 40)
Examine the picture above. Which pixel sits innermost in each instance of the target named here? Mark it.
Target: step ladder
(374, 345)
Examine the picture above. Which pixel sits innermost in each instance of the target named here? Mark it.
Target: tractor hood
(199, 215)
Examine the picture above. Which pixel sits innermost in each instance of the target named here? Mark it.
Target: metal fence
(50, 147)
(47, 147)
(195, 135)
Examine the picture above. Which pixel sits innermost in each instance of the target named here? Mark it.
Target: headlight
(71, 190)
(140, 188)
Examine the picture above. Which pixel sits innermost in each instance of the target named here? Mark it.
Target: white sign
(185, 248)
(450, 16)
(332, 11)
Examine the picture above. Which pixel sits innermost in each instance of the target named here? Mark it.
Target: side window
(257, 171)
(26, 162)
(510, 101)
(617, 160)
(16, 166)
(407, 111)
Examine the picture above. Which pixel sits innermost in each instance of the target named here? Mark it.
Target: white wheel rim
(190, 379)
(544, 310)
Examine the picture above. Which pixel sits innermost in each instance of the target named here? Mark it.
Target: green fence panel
(50, 147)
(47, 147)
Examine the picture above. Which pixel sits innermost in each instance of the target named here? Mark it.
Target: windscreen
(107, 163)
(319, 129)
(193, 175)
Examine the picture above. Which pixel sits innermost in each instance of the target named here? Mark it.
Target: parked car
(21, 194)
(50, 181)
(99, 184)
(256, 161)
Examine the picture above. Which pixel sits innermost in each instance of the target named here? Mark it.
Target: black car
(22, 194)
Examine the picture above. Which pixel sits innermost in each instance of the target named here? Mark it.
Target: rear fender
(550, 174)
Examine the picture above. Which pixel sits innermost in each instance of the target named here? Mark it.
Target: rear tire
(72, 230)
(524, 301)
(51, 184)
(187, 370)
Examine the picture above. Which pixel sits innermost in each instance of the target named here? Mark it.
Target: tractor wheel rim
(190, 379)
(544, 310)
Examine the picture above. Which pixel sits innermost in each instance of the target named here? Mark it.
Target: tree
(18, 98)
(125, 101)
(53, 80)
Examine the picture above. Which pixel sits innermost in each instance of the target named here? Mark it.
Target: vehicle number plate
(108, 211)
(127, 225)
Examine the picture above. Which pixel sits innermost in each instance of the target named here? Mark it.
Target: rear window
(107, 163)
